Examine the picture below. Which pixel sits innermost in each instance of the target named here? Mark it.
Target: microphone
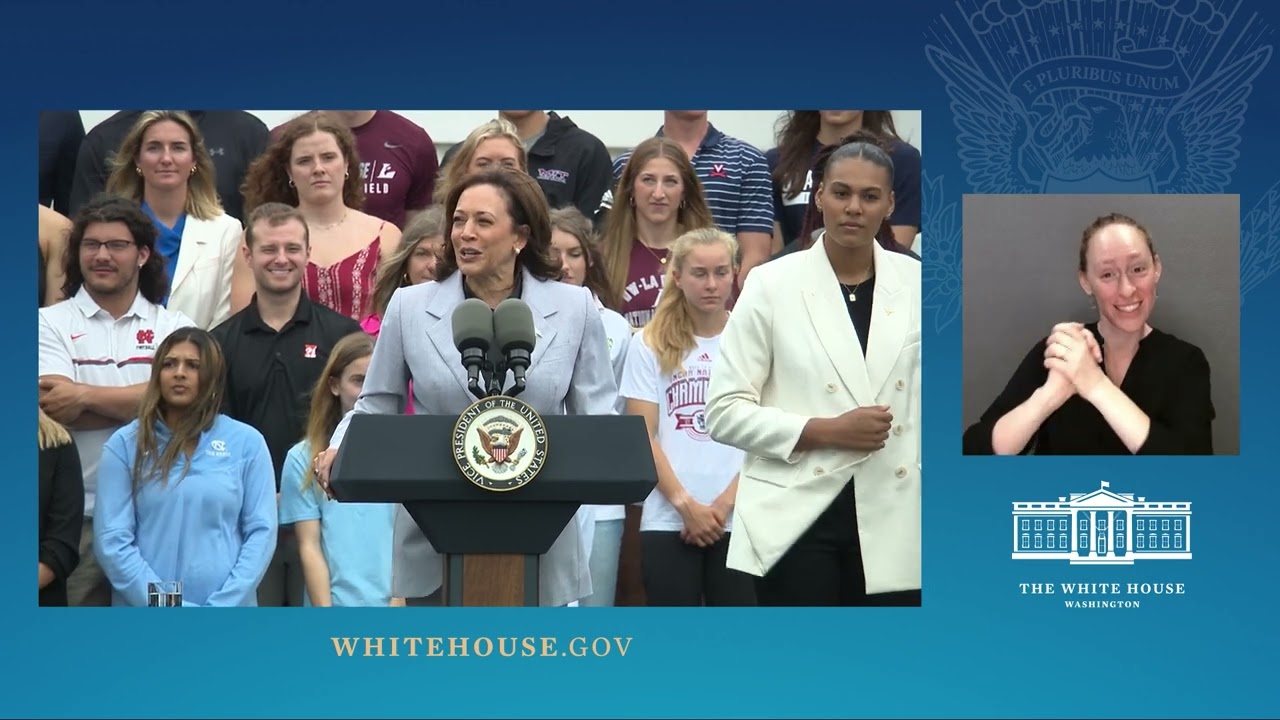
(514, 334)
(497, 368)
(473, 336)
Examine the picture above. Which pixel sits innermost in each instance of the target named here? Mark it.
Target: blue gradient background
(976, 648)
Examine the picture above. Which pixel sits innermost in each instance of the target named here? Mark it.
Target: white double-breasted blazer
(790, 353)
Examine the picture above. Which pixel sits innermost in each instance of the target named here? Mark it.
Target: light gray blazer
(569, 373)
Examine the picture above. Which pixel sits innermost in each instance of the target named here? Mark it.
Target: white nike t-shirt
(82, 342)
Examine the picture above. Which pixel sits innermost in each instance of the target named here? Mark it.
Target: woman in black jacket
(61, 510)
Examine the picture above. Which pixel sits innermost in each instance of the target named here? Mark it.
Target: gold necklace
(662, 259)
(331, 226)
(853, 294)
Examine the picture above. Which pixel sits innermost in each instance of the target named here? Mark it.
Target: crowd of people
(217, 299)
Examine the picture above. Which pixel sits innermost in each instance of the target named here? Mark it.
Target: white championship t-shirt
(704, 467)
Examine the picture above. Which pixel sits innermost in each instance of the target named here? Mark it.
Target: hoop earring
(290, 182)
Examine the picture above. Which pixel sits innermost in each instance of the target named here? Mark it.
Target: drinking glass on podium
(166, 593)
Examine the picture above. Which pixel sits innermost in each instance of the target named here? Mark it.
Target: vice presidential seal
(500, 443)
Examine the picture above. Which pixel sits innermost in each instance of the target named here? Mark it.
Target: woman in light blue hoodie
(184, 493)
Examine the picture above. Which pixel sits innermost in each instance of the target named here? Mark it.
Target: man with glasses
(96, 347)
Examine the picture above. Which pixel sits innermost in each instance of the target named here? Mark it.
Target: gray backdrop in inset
(1020, 262)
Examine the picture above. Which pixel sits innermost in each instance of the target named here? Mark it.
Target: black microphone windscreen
(473, 325)
(513, 325)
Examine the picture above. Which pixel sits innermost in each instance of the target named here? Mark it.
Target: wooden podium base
(490, 581)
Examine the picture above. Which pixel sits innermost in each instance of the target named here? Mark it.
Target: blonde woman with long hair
(658, 197)
(185, 493)
(687, 519)
(61, 509)
(495, 144)
(163, 165)
(345, 548)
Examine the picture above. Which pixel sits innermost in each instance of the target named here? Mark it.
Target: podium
(491, 541)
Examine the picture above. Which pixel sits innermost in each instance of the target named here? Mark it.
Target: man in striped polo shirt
(96, 348)
(735, 178)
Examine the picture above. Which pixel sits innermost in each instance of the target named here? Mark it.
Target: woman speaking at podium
(497, 246)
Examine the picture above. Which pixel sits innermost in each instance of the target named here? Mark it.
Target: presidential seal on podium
(500, 443)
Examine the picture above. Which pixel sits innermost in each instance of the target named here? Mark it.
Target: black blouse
(1168, 379)
(860, 311)
(61, 517)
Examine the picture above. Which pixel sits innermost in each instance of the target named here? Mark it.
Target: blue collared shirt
(168, 244)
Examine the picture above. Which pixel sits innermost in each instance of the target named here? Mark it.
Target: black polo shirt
(270, 374)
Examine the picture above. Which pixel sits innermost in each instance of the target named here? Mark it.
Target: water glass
(166, 593)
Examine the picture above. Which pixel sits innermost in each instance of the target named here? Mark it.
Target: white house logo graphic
(1102, 528)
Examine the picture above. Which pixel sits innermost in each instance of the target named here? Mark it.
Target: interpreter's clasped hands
(1074, 360)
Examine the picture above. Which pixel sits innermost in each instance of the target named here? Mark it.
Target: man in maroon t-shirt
(398, 162)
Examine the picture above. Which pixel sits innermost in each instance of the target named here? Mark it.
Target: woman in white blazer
(163, 165)
(818, 381)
